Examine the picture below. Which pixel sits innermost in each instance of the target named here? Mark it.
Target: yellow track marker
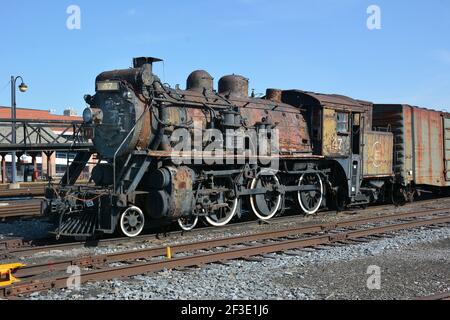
(168, 253)
(6, 273)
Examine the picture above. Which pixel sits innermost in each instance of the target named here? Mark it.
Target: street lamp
(22, 88)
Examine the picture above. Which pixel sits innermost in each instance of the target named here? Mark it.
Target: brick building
(58, 160)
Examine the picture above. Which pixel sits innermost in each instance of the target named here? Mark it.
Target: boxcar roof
(400, 105)
(332, 100)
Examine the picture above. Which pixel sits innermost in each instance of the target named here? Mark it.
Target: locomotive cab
(341, 131)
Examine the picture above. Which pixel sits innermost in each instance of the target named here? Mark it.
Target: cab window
(342, 122)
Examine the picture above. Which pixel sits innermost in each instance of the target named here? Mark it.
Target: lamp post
(22, 88)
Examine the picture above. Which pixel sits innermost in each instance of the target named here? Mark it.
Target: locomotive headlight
(87, 115)
(92, 115)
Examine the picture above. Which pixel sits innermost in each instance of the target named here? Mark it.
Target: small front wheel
(132, 222)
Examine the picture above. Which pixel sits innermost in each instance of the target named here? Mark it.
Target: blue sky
(317, 45)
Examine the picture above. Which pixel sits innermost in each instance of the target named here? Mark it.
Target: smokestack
(140, 61)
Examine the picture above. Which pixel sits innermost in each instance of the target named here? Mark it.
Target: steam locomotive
(168, 155)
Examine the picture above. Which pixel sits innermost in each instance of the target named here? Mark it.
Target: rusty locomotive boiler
(170, 155)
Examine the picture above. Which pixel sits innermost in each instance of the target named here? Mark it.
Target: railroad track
(47, 276)
(19, 248)
(16, 209)
(18, 245)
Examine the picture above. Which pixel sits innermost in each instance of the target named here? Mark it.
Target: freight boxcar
(421, 146)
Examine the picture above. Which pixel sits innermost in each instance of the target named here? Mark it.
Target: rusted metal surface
(292, 130)
(405, 137)
(210, 156)
(274, 95)
(116, 126)
(144, 120)
(428, 147)
(233, 86)
(334, 144)
(199, 80)
(377, 154)
(368, 116)
(182, 198)
(419, 145)
(286, 119)
(333, 101)
(324, 111)
(446, 136)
